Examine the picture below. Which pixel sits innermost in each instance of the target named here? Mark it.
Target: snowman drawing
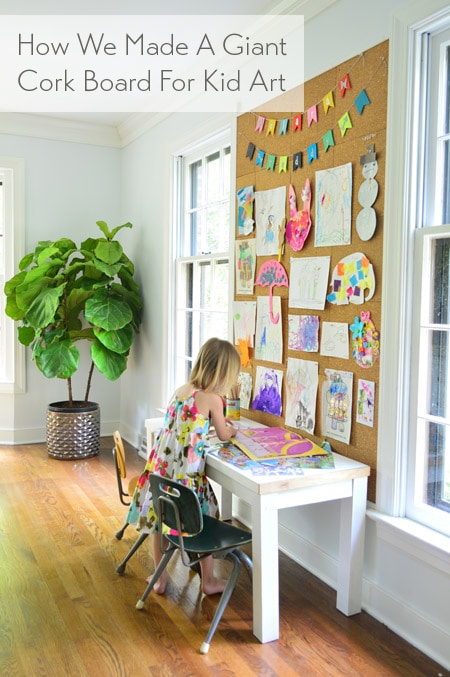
(366, 221)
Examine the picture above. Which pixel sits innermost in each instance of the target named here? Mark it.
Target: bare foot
(214, 586)
(161, 584)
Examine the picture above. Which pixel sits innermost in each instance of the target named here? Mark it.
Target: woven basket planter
(73, 432)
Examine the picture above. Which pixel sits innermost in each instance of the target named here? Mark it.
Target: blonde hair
(217, 366)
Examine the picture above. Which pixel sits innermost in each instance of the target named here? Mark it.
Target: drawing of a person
(269, 398)
(269, 236)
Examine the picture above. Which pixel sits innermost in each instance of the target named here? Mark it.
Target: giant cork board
(367, 79)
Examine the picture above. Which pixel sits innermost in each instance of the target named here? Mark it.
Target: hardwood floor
(65, 611)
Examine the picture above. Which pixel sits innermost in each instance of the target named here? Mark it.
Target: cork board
(368, 73)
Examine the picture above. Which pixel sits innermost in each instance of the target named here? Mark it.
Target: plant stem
(88, 385)
(69, 385)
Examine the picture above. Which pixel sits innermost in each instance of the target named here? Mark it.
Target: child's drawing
(352, 277)
(366, 402)
(301, 393)
(268, 391)
(309, 281)
(303, 333)
(245, 199)
(245, 381)
(245, 266)
(337, 405)
(269, 336)
(244, 318)
(270, 212)
(334, 339)
(333, 206)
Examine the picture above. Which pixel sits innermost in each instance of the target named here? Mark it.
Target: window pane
(437, 405)
(436, 485)
(446, 187)
(439, 306)
(213, 190)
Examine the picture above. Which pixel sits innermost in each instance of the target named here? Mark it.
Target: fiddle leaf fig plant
(63, 294)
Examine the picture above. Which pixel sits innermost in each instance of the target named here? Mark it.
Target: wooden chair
(178, 508)
(118, 452)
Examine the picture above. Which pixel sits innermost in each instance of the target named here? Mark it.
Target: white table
(266, 495)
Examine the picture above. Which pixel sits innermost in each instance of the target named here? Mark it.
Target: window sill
(415, 539)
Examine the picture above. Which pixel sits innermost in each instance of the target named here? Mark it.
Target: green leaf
(42, 311)
(59, 360)
(110, 234)
(46, 253)
(26, 261)
(110, 364)
(109, 252)
(107, 311)
(26, 335)
(119, 340)
(109, 269)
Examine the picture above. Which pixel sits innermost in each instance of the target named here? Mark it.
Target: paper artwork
(273, 442)
(365, 340)
(334, 340)
(245, 199)
(269, 335)
(309, 281)
(270, 211)
(353, 280)
(337, 404)
(366, 220)
(267, 392)
(245, 381)
(244, 320)
(245, 266)
(366, 402)
(299, 223)
(303, 333)
(302, 378)
(272, 274)
(333, 206)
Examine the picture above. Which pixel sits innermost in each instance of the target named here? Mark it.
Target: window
(202, 246)
(428, 482)
(12, 354)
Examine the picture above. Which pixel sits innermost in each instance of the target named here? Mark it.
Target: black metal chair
(178, 508)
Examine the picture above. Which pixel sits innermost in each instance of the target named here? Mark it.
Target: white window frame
(403, 204)
(12, 375)
(195, 150)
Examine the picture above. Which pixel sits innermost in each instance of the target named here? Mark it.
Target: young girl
(182, 444)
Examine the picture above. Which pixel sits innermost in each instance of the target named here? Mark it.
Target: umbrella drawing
(299, 224)
(272, 274)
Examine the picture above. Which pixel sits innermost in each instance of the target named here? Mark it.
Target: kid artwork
(245, 200)
(269, 336)
(274, 442)
(302, 380)
(244, 319)
(303, 333)
(267, 392)
(353, 280)
(270, 212)
(299, 223)
(366, 220)
(272, 274)
(309, 281)
(334, 340)
(245, 266)
(365, 402)
(337, 404)
(365, 340)
(333, 206)
(245, 382)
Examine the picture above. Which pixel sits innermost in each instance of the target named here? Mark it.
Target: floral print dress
(180, 454)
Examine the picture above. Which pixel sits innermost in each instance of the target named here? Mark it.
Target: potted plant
(63, 294)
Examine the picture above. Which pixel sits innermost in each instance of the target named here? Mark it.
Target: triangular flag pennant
(260, 124)
(328, 101)
(297, 160)
(283, 126)
(283, 164)
(328, 140)
(344, 84)
(250, 150)
(312, 152)
(260, 158)
(297, 122)
(271, 159)
(312, 115)
(271, 127)
(361, 101)
(345, 123)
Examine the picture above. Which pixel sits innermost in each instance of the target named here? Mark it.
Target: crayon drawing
(309, 282)
(337, 405)
(245, 266)
(334, 340)
(303, 333)
(269, 336)
(244, 319)
(302, 379)
(270, 211)
(245, 199)
(267, 394)
(245, 381)
(333, 206)
(366, 402)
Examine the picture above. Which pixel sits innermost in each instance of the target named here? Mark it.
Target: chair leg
(121, 567)
(245, 559)
(119, 534)
(158, 571)
(224, 599)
